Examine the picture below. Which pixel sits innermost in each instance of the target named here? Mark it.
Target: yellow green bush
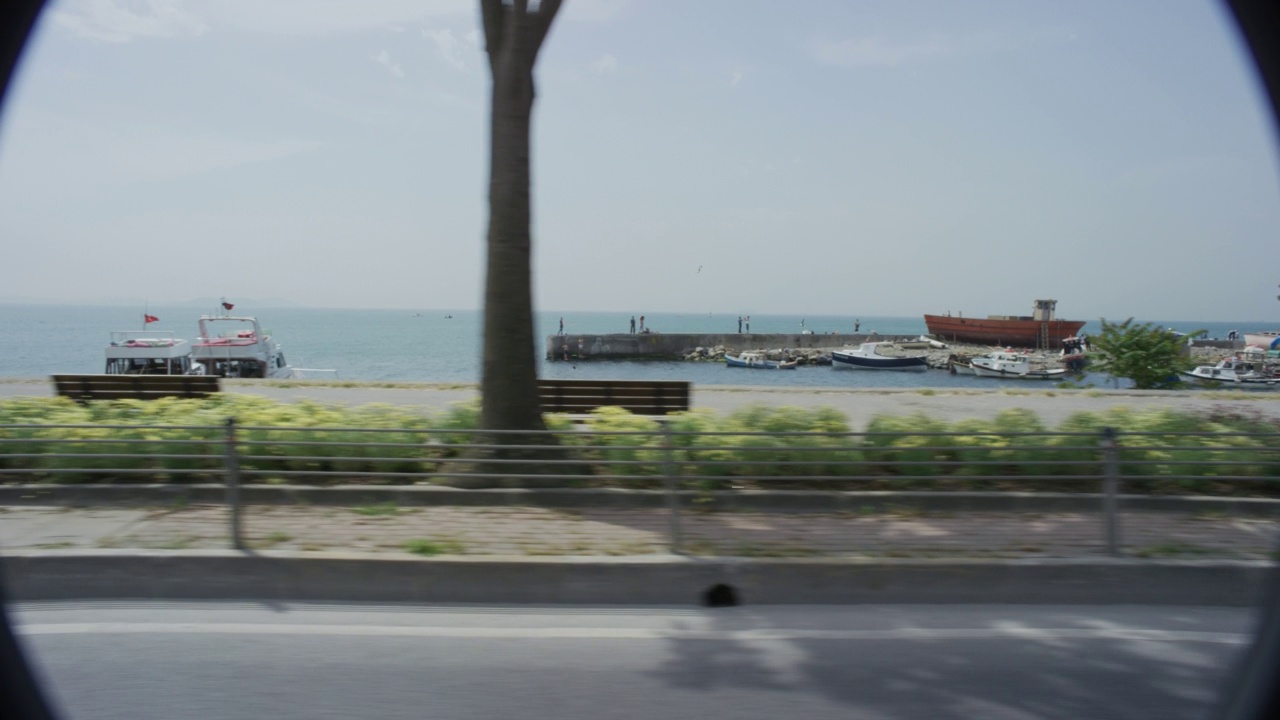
(1193, 449)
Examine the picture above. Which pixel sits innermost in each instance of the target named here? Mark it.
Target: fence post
(670, 486)
(233, 485)
(1110, 490)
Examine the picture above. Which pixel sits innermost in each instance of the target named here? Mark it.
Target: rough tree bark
(514, 33)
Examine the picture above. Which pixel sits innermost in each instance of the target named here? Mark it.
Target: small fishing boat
(757, 360)
(1236, 372)
(865, 357)
(1014, 366)
(960, 365)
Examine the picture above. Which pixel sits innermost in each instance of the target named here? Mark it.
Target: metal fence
(659, 458)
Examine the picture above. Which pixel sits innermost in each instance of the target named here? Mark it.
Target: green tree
(513, 33)
(1149, 355)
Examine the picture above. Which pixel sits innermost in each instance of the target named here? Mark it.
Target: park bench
(83, 388)
(642, 397)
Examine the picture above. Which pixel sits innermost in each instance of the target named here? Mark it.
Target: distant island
(209, 302)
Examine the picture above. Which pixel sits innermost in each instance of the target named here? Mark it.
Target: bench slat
(643, 397)
(135, 387)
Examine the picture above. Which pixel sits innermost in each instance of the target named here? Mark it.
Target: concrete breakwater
(676, 346)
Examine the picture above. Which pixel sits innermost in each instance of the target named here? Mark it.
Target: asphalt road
(234, 660)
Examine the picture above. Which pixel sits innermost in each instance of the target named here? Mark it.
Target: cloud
(115, 21)
(735, 78)
(384, 59)
(452, 49)
(593, 11)
(605, 65)
(101, 147)
(124, 20)
(329, 17)
(877, 52)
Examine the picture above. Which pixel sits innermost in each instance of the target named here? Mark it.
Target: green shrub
(645, 448)
(1224, 443)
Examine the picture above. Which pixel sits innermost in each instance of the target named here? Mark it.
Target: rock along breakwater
(678, 346)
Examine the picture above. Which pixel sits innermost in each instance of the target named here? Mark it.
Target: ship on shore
(1039, 330)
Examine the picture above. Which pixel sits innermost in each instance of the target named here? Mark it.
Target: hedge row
(893, 448)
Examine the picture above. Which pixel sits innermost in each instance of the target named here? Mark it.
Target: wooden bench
(642, 397)
(83, 388)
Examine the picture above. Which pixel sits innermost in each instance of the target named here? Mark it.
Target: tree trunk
(509, 386)
(509, 381)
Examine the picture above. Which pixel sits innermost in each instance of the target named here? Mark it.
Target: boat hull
(1249, 383)
(841, 361)
(980, 371)
(759, 364)
(1018, 333)
(1268, 340)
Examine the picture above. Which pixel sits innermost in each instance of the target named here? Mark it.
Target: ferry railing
(686, 466)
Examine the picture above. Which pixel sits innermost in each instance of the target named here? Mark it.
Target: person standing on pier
(562, 325)
(739, 324)
(857, 325)
(748, 323)
(641, 323)
(633, 324)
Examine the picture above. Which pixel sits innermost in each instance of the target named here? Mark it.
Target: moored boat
(148, 352)
(865, 357)
(1039, 330)
(1236, 372)
(1267, 340)
(1013, 366)
(757, 360)
(236, 347)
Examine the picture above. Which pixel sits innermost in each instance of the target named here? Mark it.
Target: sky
(826, 157)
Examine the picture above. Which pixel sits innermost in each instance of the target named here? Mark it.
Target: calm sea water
(401, 345)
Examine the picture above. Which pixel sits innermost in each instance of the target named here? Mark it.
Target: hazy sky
(815, 157)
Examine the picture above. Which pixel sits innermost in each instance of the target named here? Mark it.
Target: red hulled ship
(1038, 330)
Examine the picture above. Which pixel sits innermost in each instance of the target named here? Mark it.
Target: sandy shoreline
(858, 404)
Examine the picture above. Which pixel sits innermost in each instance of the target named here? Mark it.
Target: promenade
(859, 405)
(385, 529)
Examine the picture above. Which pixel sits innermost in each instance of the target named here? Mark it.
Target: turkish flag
(147, 319)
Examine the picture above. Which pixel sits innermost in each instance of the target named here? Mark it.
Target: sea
(443, 346)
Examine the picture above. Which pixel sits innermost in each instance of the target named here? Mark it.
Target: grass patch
(1172, 549)
(428, 547)
(775, 551)
(377, 509)
(274, 539)
(927, 392)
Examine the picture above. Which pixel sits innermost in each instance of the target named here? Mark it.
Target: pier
(675, 346)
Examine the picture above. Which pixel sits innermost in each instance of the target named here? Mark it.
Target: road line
(606, 633)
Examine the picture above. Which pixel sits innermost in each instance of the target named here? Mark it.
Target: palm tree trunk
(509, 381)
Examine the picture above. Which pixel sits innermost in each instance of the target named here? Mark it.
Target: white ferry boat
(236, 347)
(148, 352)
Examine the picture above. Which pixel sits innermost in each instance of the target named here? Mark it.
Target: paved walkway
(1052, 405)
(536, 531)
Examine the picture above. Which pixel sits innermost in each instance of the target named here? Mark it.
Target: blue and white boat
(757, 360)
(865, 357)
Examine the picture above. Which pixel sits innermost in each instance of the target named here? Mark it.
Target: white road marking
(606, 633)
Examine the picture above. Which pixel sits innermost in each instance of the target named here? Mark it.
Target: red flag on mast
(146, 319)
(226, 305)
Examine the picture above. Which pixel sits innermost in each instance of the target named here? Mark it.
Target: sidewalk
(525, 531)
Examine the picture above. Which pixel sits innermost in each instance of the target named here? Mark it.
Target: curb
(640, 580)
(791, 501)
